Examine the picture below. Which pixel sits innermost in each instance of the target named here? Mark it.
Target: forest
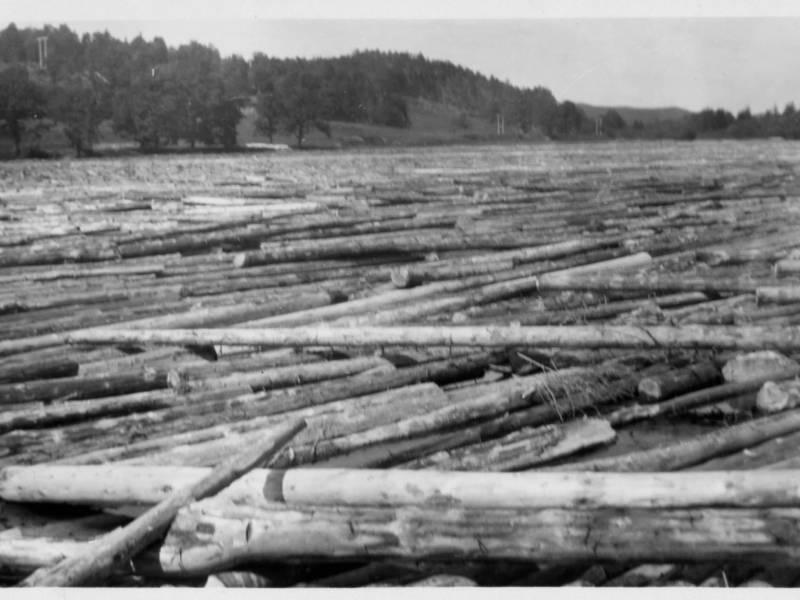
(161, 96)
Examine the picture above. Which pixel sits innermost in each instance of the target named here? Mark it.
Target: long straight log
(209, 536)
(592, 336)
(524, 448)
(76, 388)
(546, 534)
(16, 371)
(651, 283)
(278, 376)
(119, 485)
(698, 449)
(117, 548)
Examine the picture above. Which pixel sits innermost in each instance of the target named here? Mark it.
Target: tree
(20, 99)
(567, 120)
(78, 102)
(613, 121)
(299, 101)
(12, 45)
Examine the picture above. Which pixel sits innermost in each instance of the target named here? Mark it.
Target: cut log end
(402, 277)
(240, 260)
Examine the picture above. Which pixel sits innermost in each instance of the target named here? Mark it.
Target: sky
(688, 53)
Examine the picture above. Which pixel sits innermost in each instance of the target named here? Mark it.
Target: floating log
(787, 266)
(777, 397)
(679, 381)
(592, 336)
(611, 309)
(778, 295)
(650, 282)
(546, 534)
(492, 400)
(76, 388)
(16, 371)
(118, 485)
(524, 448)
(276, 377)
(372, 244)
(119, 546)
(702, 397)
(698, 449)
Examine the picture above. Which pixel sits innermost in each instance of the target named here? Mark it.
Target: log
(525, 448)
(494, 399)
(702, 397)
(76, 388)
(593, 336)
(546, 534)
(119, 485)
(787, 266)
(559, 405)
(697, 449)
(276, 377)
(16, 371)
(771, 454)
(373, 244)
(284, 400)
(336, 419)
(39, 416)
(777, 397)
(679, 381)
(778, 295)
(119, 546)
(610, 309)
(650, 282)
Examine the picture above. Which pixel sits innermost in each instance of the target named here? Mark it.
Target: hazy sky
(689, 62)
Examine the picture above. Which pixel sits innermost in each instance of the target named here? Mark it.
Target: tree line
(159, 95)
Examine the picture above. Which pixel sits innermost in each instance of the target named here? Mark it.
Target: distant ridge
(631, 114)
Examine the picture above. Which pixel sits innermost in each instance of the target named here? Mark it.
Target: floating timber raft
(541, 365)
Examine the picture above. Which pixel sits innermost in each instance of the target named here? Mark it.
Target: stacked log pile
(516, 367)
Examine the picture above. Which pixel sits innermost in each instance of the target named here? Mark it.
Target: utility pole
(501, 124)
(42, 46)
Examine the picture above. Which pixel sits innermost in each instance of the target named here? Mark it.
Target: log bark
(598, 336)
(547, 534)
(119, 546)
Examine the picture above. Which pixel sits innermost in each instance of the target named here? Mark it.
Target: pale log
(591, 336)
(118, 485)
